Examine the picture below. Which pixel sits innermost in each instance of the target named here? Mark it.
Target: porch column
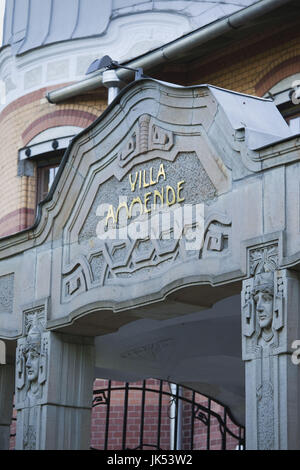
(270, 327)
(7, 380)
(54, 387)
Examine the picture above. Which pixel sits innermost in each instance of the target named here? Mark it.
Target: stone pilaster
(54, 385)
(7, 379)
(270, 325)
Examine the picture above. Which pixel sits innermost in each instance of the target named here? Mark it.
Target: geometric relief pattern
(74, 283)
(145, 257)
(97, 264)
(217, 237)
(265, 416)
(146, 136)
(125, 259)
(263, 259)
(6, 293)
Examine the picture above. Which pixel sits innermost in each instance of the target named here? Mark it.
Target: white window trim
(55, 138)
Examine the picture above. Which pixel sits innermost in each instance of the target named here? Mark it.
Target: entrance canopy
(170, 188)
(160, 209)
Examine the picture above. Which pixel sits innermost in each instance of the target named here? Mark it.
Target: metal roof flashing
(28, 25)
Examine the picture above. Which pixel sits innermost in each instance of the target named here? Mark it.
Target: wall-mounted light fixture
(109, 77)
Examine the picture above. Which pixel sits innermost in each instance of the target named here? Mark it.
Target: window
(42, 156)
(47, 168)
(45, 179)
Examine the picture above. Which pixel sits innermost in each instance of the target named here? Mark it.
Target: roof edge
(174, 49)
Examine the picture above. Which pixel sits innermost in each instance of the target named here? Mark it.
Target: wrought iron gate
(160, 416)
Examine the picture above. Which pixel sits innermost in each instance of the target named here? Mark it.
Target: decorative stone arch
(62, 117)
(43, 141)
(81, 273)
(56, 132)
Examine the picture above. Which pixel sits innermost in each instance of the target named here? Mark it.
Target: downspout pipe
(176, 410)
(111, 81)
(174, 49)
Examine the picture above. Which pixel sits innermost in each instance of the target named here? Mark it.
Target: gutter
(174, 49)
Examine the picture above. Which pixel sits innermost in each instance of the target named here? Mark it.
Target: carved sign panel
(144, 224)
(149, 206)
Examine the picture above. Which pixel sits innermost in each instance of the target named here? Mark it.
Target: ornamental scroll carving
(263, 259)
(145, 136)
(125, 259)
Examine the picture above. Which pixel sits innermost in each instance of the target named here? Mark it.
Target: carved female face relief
(32, 365)
(264, 308)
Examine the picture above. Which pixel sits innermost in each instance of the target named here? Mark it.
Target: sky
(2, 6)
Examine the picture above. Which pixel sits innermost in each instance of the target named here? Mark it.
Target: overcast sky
(2, 5)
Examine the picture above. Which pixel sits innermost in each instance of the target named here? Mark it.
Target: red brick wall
(133, 418)
(21, 121)
(116, 421)
(151, 420)
(203, 440)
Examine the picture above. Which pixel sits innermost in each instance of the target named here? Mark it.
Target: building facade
(79, 290)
